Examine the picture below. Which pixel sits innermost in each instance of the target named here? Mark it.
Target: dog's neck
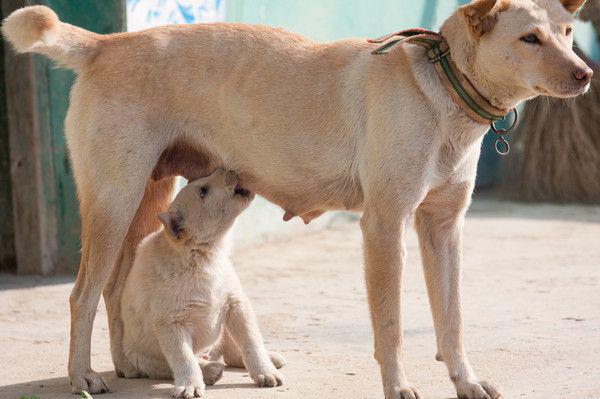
(198, 255)
(464, 54)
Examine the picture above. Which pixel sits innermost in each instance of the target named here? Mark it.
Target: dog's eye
(569, 31)
(531, 39)
(203, 191)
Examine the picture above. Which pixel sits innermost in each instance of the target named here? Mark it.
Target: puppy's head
(205, 209)
(526, 45)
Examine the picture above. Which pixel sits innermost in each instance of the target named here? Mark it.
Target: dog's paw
(129, 372)
(270, 378)
(404, 392)
(89, 381)
(193, 390)
(212, 372)
(124, 368)
(277, 360)
(478, 390)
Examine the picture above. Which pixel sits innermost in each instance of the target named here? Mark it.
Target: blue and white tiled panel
(142, 14)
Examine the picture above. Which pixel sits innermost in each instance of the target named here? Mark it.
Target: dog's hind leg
(156, 199)
(232, 356)
(111, 184)
(212, 371)
(439, 221)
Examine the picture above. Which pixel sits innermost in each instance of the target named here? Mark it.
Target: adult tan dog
(309, 126)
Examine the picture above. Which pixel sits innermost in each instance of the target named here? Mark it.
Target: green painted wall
(337, 19)
(104, 16)
(52, 101)
(332, 20)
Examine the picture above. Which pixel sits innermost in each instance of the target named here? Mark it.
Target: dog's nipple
(308, 217)
(287, 216)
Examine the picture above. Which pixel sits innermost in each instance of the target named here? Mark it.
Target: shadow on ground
(14, 282)
(137, 388)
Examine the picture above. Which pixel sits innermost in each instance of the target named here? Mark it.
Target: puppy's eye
(569, 31)
(203, 191)
(531, 39)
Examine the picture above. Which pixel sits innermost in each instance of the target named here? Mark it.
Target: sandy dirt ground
(531, 308)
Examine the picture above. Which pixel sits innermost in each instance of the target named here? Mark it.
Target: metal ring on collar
(502, 146)
(501, 131)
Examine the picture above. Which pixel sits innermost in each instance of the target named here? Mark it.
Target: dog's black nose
(583, 75)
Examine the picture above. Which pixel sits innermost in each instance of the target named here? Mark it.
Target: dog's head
(522, 46)
(205, 209)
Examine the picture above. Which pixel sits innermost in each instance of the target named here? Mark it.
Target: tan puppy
(309, 126)
(182, 291)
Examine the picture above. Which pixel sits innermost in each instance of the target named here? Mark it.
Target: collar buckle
(438, 52)
(501, 145)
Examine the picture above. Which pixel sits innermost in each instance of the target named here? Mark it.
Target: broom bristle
(559, 150)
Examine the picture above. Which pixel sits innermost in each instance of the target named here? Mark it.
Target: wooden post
(45, 212)
(31, 169)
(7, 234)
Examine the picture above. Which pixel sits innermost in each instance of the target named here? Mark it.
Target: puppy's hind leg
(156, 199)
(212, 371)
(232, 356)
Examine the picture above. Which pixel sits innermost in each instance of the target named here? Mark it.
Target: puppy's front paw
(270, 378)
(188, 390)
(478, 390)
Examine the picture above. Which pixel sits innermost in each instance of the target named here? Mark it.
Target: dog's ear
(173, 224)
(572, 5)
(482, 15)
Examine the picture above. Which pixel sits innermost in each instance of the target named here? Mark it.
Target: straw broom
(558, 143)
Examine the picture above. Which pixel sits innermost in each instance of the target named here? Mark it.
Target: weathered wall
(104, 16)
(42, 207)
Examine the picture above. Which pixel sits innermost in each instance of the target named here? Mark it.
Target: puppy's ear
(173, 224)
(481, 15)
(572, 5)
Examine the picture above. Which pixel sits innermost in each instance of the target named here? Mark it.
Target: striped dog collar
(460, 88)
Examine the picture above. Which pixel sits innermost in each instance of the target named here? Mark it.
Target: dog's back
(224, 81)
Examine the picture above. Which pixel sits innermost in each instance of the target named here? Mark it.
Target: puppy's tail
(37, 29)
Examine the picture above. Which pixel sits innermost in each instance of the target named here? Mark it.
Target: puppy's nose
(584, 75)
(231, 178)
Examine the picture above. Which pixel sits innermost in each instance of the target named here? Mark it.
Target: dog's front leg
(384, 259)
(241, 324)
(176, 344)
(439, 221)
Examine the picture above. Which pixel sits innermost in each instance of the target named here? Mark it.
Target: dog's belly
(297, 193)
(309, 201)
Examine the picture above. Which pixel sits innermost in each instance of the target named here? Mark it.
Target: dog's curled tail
(37, 29)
